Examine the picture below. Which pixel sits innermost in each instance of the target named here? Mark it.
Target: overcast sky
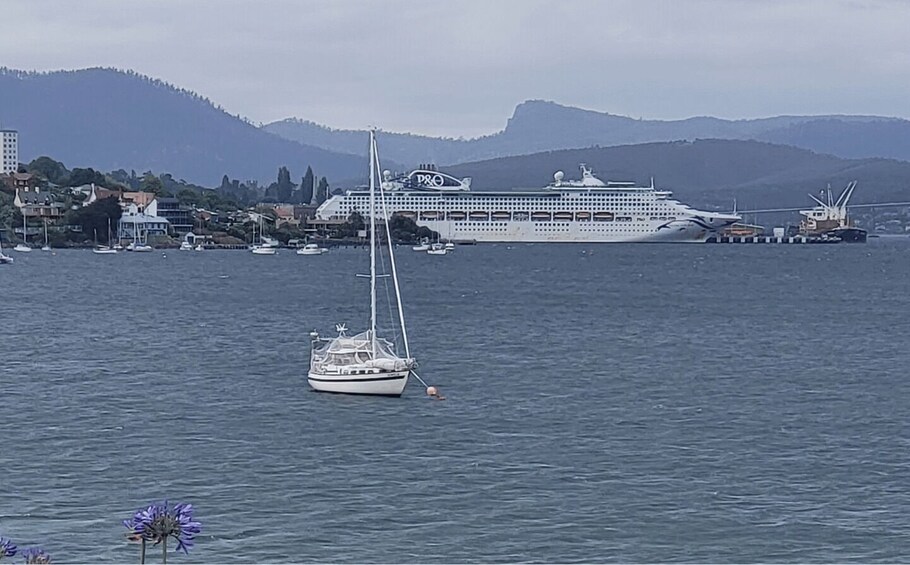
(459, 67)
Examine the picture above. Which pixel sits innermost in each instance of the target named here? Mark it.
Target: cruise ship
(587, 210)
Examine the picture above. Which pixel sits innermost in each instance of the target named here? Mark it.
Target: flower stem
(164, 550)
(142, 552)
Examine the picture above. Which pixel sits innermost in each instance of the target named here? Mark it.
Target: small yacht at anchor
(364, 363)
(311, 249)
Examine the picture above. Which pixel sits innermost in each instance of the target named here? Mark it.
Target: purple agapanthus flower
(157, 522)
(36, 555)
(7, 548)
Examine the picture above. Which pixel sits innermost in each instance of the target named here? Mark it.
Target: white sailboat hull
(264, 251)
(22, 248)
(383, 383)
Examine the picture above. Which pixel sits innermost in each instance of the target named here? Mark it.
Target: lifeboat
(540, 216)
(479, 216)
(501, 216)
(583, 216)
(563, 217)
(431, 216)
(456, 216)
(520, 216)
(603, 216)
(409, 214)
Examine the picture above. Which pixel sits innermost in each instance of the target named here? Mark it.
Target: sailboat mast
(373, 241)
(388, 234)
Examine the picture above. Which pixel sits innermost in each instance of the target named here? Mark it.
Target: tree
(81, 177)
(406, 230)
(151, 183)
(226, 185)
(53, 171)
(350, 228)
(189, 197)
(307, 186)
(284, 186)
(322, 191)
(96, 217)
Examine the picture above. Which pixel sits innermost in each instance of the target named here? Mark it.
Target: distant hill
(705, 172)
(538, 125)
(108, 119)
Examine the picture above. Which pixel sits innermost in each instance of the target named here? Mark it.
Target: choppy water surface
(605, 403)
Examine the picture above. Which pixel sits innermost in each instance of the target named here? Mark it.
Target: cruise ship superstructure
(586, 210)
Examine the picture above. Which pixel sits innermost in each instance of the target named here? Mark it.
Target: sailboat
(4, 259)
(46, 246)
(364, 363)
(23, 246)
(262, 248)
(104, 249)
(139, 245)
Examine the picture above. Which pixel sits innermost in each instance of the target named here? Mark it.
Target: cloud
(460, 67)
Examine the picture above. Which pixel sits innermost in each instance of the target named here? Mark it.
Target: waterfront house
(135, 224)
(97, 193)
(20, 181)
(36, 204)
(284, 214)
(180, 218)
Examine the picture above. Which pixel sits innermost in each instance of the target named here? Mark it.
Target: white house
(135, 224)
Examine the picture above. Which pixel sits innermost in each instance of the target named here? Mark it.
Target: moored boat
(364, 363)
(311, 249)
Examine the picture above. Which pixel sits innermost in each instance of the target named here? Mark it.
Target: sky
(458, 68)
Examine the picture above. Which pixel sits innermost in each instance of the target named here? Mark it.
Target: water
(605, 403)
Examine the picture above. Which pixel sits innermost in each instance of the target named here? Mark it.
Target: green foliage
(151, 183)
(47, 168)
(94, 218)
(322, 190)
(129, 180)
(350, 228)
(406, 230)
(79, 177)
(284, 187)
(307, 186)
(189, 197)
(8, 212)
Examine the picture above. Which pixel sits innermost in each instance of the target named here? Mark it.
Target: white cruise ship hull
(385, 383)
(683, 231)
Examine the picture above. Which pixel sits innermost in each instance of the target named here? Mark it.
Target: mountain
(109, 119)
(705, 172)
(538, 125)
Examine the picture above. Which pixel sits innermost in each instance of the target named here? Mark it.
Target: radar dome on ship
(558, 176)
(386, 174)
